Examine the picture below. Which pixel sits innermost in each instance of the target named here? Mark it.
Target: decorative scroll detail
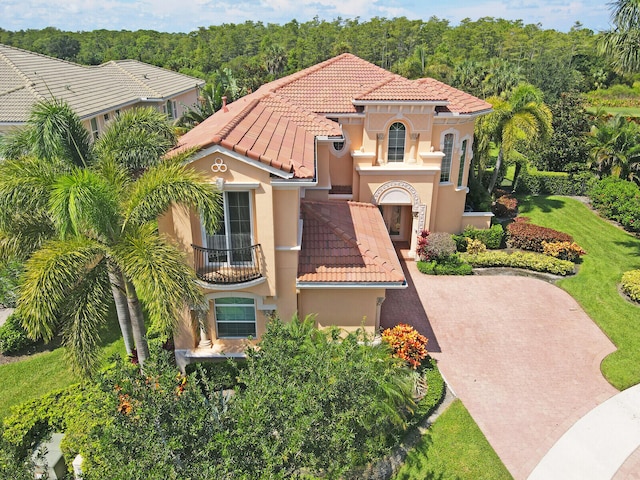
(416, 207)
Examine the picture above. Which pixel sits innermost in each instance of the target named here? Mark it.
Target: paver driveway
(519, 352)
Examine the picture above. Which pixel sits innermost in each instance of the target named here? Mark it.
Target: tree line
(484, 57)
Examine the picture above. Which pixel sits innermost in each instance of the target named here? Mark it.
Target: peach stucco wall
(348, 308)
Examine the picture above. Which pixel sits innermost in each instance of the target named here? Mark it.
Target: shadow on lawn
(543, 202)
(416, 465)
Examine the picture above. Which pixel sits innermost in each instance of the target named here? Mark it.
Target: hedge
(527, 260)
(618, 200)
(631, 284)
(553, 183)
(13, 337)
(452, 266)
(491, 237)
(527, 236)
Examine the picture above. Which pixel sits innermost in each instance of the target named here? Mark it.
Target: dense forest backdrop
(484, 57)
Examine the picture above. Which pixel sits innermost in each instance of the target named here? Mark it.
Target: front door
(394, 219)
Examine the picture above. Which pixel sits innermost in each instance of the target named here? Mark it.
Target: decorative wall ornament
(218, 165)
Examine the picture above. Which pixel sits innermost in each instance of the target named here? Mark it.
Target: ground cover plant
(611, 253)
(536, 262)
(453, 448)
(631, 284)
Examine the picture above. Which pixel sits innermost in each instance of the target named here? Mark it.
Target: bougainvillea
(406, 343)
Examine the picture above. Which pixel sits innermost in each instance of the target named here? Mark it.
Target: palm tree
(94, 218)
(621, 43)
(615, 149)
(516, 122)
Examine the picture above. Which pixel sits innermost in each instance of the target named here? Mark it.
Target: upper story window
(233, 239)
(447, 149)
(94, 128)
(397, 135)
(463, 155)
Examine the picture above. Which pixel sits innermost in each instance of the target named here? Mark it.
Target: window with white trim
(397, 136)
(171, 110)
(447, 149)
(463, 154)
(94, 128)
(233, 239)
(235, 317)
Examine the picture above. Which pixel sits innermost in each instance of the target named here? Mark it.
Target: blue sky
(188, 15)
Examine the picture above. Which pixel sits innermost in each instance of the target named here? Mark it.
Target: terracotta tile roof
(459, 101)
(346, 242)
(27, 77)
(278, 123)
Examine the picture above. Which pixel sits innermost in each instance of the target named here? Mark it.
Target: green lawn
(453, 448)
(47, 371)
(610, 252)
(624, 111)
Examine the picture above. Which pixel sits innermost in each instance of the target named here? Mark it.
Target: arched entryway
(403, 213)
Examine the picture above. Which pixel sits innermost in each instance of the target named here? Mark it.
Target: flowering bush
(437, 246)
(406, 343)
(563, 250)
(631, 284)
(527, 236)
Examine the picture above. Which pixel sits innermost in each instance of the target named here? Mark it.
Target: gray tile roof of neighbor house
(27, 77)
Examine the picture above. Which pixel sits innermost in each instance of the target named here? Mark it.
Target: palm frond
(16, 143)
(21, 234)
(85, 311)
(83, 202)
(172, 182)
(136, 139)
(51, 275)
(163, 280)
(57, 132)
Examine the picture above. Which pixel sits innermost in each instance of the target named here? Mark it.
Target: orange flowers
(407, 344)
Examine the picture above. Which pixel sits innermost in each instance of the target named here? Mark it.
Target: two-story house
(95, 93)
(321, 172)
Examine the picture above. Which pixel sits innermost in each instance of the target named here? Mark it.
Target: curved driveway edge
(520, 353)
(596, 445)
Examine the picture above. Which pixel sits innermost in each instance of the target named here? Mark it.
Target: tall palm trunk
(496, 171)
(122, 308)
(137, 323)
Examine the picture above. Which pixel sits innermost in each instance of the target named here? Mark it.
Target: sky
(188, 15)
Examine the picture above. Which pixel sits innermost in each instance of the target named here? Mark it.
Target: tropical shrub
(475, 246)
(527, 236)
(492, 237)
(406, 343)
(527, 260)
(450, 266)
(9, 274)
(563, 250)
(505, 206)
(13, 337)
(618, 200)
(436, 246)
(631, 284)
(554, 183)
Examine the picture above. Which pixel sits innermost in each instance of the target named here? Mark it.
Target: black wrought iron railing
(233, 265)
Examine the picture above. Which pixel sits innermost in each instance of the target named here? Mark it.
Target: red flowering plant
(406, 343)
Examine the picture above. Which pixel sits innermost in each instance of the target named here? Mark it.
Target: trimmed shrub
(451, 266)
(13, 337)
(491, 237)
(631, 284)
(406, 343)
(563, 250)
(527, 236)
(505, 206)
(436, 246)
(554, 183)
(618, 200)
(536, 262)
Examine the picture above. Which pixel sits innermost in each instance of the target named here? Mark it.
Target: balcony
(230, 266)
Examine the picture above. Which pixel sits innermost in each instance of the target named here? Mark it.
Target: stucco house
(321, 172)
(96, 93)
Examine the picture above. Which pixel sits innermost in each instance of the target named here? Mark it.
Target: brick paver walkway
(519, 352)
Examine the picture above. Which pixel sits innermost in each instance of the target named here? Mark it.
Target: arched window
(397, 134)
(463, 155)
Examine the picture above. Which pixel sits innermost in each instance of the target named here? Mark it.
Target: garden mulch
(519, 352)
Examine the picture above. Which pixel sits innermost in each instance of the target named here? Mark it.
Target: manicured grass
(610, 252)
(624, 111)
(453, 448)
(43, 372)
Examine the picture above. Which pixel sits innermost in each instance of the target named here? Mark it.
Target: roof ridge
(230, 125)
(28, 83)
(131, 76)
(298, 108)
(387, 79)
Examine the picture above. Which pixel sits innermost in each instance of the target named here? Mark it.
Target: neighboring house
(96, 93)
(321, 172)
